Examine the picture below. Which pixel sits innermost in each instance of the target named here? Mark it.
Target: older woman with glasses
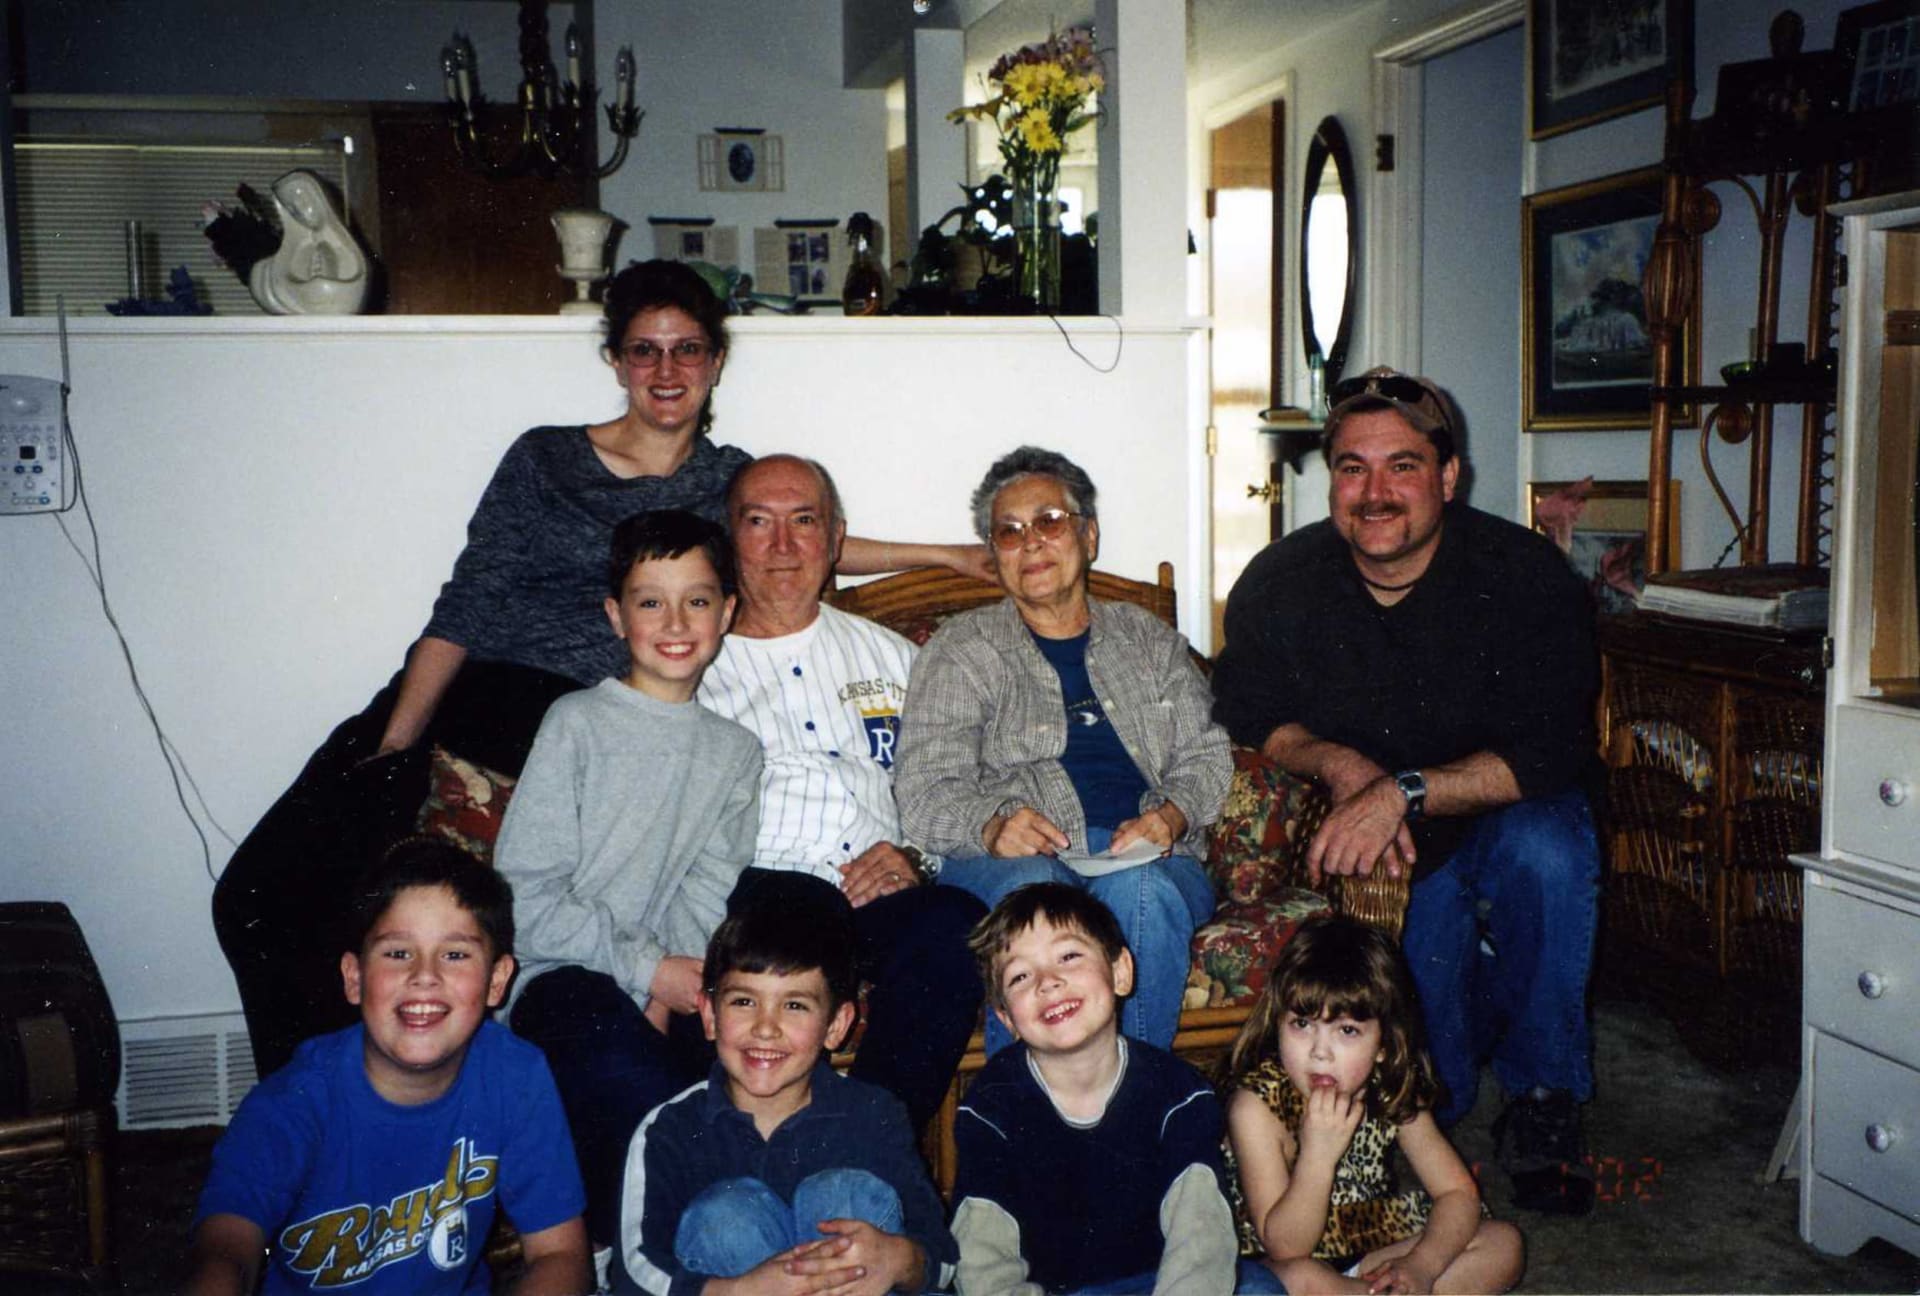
(519, 622)
(1057, 737)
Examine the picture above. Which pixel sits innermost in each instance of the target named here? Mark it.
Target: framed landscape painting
(1588, 60)
(1586, 352)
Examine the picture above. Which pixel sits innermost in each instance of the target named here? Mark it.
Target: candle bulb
(463, 67)
(623, 74)
(573, 55)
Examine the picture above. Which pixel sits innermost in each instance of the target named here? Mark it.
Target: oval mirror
(1329, 251)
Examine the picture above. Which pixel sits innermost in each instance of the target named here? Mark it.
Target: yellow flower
(1029, 83)
(1036, 131)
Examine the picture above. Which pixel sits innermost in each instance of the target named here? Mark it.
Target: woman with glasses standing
(1057, 737)
(518, 623)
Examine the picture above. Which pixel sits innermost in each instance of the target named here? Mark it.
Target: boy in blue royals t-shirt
(374, 1159)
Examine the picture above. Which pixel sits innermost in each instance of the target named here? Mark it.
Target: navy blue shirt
(1104, 777)
(698, 1138)
(1087, 1198)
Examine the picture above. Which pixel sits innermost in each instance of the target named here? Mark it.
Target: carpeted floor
(1679, 1147)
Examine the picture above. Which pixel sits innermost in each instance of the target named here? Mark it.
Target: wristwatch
(1413, 786)
(925, 867)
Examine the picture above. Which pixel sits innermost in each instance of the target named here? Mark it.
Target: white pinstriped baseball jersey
(826, 705)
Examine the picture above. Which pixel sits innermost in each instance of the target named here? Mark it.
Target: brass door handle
(1264, 491)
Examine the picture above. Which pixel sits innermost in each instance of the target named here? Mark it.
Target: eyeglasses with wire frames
(687, 353)
(1048, 524)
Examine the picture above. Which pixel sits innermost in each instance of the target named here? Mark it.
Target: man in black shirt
(1434, 666)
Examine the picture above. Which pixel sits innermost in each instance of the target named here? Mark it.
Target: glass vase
(1036, 234)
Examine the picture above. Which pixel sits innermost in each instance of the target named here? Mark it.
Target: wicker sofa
(1255, 859)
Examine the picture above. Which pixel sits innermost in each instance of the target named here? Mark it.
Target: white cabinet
(1860, 1079)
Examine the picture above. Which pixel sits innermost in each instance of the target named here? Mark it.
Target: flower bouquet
(1040, 95)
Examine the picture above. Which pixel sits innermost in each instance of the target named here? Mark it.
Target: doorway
(1244, 289)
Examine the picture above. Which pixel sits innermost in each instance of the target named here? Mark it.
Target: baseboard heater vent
(179, 1071)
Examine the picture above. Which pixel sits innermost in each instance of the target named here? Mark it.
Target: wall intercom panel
(33, 452)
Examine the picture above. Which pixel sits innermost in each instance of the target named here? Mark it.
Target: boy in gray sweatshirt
(637, 810)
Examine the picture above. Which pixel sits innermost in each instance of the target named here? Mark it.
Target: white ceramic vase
(583, 254)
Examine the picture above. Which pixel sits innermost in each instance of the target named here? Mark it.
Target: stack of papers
(1777, 596)
(1097, 865)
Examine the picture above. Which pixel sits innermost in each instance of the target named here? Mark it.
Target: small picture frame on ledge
(1604, 537)
(695, 238)
(803, 258)
(1586, 352)
(1588, 60)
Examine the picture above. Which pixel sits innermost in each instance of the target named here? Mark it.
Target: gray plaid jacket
(985, 726)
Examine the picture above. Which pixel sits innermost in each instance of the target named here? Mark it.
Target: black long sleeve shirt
(1492, 651)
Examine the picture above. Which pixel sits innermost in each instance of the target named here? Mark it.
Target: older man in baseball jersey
(823, 690)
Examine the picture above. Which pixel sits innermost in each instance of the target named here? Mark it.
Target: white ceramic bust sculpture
(319, 269)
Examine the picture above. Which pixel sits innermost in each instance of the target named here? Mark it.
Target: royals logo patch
(883, 730)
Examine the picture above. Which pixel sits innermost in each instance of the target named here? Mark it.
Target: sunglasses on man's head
(1393, 387)
(1048, 524)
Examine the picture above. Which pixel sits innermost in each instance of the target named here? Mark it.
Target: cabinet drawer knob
(1894, 792)
(1879, 1137)
(1872, 984)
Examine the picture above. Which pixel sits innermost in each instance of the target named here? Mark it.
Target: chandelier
(556, 117)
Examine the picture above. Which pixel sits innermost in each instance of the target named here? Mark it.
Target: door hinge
(1213, 440)
(1383, 152)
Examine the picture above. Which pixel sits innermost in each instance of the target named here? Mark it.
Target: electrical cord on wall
(177, 769)
(1119, 341)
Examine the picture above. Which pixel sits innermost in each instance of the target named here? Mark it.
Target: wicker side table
(59, 1066)
(1713, 741)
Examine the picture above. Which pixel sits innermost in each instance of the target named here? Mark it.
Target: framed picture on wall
(1586, 353)
(1601, 526)
(1880, 42)
(742, 159)
(1588, 60)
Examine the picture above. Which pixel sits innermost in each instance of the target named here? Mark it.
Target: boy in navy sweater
(776, 1167)
(1125, 1137)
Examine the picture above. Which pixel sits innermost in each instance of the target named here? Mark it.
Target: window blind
(75, 198)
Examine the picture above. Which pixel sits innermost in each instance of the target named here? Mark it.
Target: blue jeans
(1159, 904)
(737, 1224)
(1526, 881)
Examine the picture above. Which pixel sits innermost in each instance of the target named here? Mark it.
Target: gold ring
(893, 877)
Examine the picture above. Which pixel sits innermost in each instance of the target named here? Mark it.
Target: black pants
(280, 905)
(611, 1068)
(923, 997)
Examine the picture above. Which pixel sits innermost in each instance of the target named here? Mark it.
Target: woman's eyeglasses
(1048, 524)
(685, 354)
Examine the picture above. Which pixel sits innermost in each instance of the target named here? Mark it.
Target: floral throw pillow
(465, 803)
(1268, 818)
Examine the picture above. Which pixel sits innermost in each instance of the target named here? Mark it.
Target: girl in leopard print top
(1327, 1073)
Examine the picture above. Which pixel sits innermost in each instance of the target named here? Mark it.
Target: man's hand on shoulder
(1365, 830)
(881, 869)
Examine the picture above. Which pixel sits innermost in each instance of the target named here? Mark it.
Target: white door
(1245, 342)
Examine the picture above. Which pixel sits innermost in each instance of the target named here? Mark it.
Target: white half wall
(279, 500)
